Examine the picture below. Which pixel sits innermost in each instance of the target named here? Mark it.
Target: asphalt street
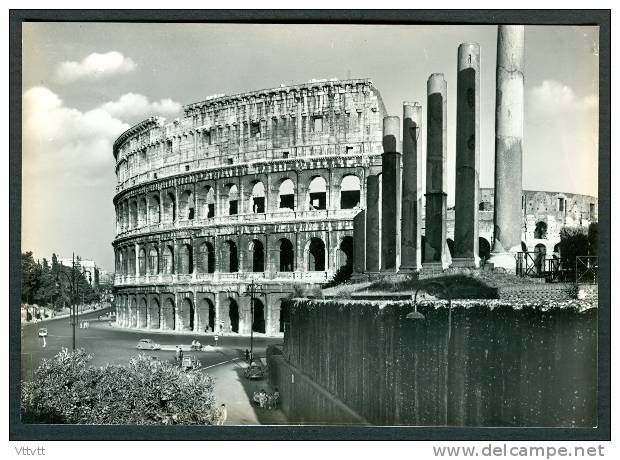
(110, 344)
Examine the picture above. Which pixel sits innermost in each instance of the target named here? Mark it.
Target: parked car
(148, 344)
(42, 332)
(190, 362)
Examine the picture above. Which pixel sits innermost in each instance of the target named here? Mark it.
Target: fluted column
(373, 223)
(467, 184)
(410, 222)
(390, 188)
(436, 251)
(508, 146)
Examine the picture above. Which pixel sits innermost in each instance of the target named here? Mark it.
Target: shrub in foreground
(66, 389)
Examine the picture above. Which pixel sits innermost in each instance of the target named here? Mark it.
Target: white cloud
(133, 106)
(561, 134)
(94, 66)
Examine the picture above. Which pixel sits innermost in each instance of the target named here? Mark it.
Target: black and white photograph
(294, 224)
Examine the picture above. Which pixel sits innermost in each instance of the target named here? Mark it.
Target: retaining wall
(479, 363)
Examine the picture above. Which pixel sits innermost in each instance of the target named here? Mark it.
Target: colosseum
(263, 187)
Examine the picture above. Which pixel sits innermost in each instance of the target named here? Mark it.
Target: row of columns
(399, 215)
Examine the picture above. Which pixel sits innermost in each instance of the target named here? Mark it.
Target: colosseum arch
(258, 323)
(232, 198)
(257, 250)
(231, 316)
(168, 315)
(185, 316)
(133, 312)
(124, 262)
(286, 195)
(350, 192)
(142, 312)
(167, 260)
(142, 262)
(169, 208)
(206, 202)
(206, 316)
(154, 314)
(230, 259)
(142, 212)
(206, 258)
(316, 255)
(186, 205)
(258, 198)
(153, 261)
(317, 194)
(345, 252)
(287, 255)
(186, 263)
(131, 262)
(133, 214)
(154, 209)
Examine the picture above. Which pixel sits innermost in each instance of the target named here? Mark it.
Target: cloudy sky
(83, 84)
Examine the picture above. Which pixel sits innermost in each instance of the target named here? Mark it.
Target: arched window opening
(142, 262)
(169, 208)
(230, 257)
(258, 256)
(258, 198)
(318, 194)
(132, 261)
(233, 315)
(154, 210)
(167, 315)
(142, 323)
(349, 192)
(142, 212)
(186, 315)
(206, 316)
(540, 232)
(541, 252)
(208, 206)
(346, 252)
(233, 200)
(186, 264)
(286, 195)
(316, 255)
(287, 256)
(206, 261)
(155, 314)
(153, 261)
(258, 323)
(133, 214)
(133, 313)
(167, 263)
(484, 248)
(556, 249)
(186, 204)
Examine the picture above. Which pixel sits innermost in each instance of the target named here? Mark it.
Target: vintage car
(148, 344)
(190, 362)
(43, 332)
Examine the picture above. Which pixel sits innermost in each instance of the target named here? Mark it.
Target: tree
(593, 239)
(573, 243)
(66, 389)
(28, 277)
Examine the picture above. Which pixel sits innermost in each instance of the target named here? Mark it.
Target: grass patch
(442, 287)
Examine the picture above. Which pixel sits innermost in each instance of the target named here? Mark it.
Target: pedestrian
(178, 354)
(276, 398)
(262, 398)
(215, 337)
(222, 414)
(181, 354)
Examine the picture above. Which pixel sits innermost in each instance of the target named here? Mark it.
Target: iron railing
(586, 269)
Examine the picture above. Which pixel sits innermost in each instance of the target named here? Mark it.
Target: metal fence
(586, 269)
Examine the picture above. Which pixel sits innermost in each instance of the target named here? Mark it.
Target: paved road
(109, 344)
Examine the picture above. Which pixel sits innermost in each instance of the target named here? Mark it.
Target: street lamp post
(74, 294)
(253, 290)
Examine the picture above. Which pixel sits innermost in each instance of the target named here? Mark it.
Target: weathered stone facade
(259, 186)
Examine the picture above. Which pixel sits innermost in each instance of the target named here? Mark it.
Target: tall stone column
(508, 146)
(390, 190)
(410, 223)
(467, 186)
(436, 251)
(373, 224)
(359, 242)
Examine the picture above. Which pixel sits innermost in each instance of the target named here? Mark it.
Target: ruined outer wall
(500, 366)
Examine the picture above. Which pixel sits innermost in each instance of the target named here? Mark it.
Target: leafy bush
(342, 275)
(573, 243)
(593, 239)
(455, 286)
(65, 389)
